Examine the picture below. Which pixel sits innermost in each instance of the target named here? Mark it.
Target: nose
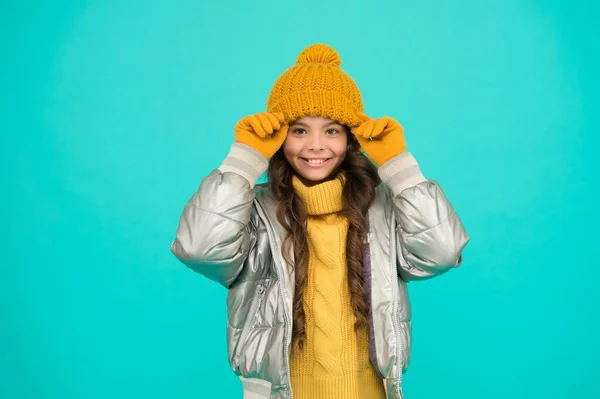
(315, 142)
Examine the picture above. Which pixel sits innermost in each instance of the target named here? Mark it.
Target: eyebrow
(326, 125)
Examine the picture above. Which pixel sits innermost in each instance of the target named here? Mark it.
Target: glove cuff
(401, 172)
(246, 162)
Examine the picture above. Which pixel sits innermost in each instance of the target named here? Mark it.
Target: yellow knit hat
(317, 85)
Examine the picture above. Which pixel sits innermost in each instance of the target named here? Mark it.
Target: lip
(316, 165)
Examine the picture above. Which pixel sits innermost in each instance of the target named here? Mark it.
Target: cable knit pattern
(334, 362)
(317, 85)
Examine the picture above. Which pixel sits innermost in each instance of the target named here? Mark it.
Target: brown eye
(298, 131)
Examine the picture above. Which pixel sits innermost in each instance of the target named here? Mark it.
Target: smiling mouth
(316, 162)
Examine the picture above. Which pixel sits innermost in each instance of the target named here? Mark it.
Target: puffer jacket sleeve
(216, 231)
(430, 236)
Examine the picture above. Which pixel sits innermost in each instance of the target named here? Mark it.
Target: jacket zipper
(252, 312)
(287, 337)
(280, 270)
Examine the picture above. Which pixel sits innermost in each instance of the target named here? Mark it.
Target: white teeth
(316, 161)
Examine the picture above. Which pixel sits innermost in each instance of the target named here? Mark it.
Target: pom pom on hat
(319, 54)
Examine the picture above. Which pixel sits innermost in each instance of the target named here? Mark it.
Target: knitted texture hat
(317, 86)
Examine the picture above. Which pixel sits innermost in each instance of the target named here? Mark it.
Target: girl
(316, 261)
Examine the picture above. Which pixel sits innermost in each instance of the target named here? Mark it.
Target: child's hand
(381, 139)
(265, 132)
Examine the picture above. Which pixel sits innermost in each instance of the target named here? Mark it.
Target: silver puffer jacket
(229, 233)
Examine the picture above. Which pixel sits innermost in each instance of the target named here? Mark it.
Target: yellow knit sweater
(334, 362)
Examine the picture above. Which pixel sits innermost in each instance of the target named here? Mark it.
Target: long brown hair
(358, 193)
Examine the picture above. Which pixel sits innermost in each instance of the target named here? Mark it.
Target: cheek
(288, 149)
(292, 145)
(342, 148)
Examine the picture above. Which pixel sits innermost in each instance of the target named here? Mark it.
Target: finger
(363, 117)
(358, 131)
(242, 125)
(393, 126)
(279, 115)
(282, 131)
(275, 123)
(392, 129)
(379, 127)
(256, 126)
(265, 122)
(369, 128)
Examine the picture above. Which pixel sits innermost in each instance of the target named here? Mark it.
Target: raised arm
(429, 234)
(216, 229)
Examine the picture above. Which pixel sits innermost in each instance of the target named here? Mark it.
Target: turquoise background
(112, 112)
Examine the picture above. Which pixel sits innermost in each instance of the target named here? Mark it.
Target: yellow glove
(381, 139)
(265, 132)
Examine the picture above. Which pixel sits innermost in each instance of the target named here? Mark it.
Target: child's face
(315, 147)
